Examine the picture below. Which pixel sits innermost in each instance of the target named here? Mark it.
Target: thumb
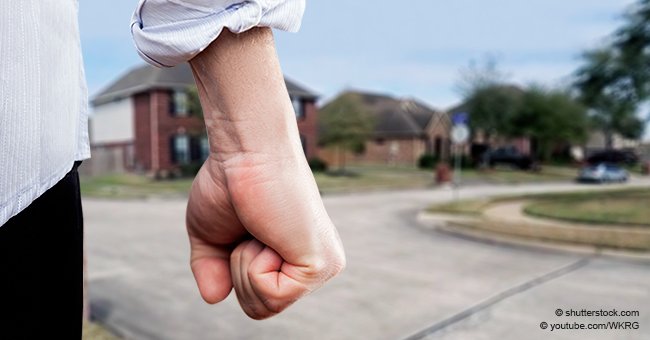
(211, 268)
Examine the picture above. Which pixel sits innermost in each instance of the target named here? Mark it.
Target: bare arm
(255, 217)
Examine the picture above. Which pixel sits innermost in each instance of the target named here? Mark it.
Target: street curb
(458, 227)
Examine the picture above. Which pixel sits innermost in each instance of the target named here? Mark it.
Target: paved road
(402, 279)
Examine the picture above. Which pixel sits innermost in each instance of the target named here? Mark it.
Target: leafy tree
(606, 89)
(615, 80)
(193, 102)
(632, 43)
(553, 118)
(493, 108)
(345, 125)
(490, 102)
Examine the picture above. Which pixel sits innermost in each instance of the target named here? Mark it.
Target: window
(180, 149)
(179, 107)
(298, 107)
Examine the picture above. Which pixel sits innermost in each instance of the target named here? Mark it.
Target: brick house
(404, 130)
(141, 122)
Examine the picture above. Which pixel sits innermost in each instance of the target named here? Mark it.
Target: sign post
(459, 136)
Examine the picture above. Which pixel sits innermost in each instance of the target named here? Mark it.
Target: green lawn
(357, 178)
(629, 207)
(506, 175)
(462, 207)
(364, 178)
(93, 331)
(133, 186)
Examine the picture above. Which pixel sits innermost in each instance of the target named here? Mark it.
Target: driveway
(402, 279)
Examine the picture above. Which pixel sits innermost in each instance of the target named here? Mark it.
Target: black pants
(41, 266)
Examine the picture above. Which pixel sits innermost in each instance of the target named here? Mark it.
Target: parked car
(510, 156)
(603, 173)
(625, 157)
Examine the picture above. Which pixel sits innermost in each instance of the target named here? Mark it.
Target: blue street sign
(460, 118)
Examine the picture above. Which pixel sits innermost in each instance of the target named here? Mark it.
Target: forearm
(244, 97)
(255, 142)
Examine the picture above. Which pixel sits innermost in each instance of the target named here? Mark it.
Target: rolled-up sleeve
(169, 32)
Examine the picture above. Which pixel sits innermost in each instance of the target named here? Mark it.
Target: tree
(553, 118)
(480, 75)
(632, 42)
(194, 102)
(493, 108)
(607, 90)
(345, 125)
(615, 80)
(489, 100)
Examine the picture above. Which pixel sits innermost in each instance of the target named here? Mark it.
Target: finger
(211, 268)
(249, 301)
(276, 289)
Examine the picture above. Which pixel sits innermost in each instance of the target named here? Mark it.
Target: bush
(427, 161)
(317, 165)
(466, 162)
(190, 170)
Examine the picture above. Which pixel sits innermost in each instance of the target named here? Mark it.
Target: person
(255, 220)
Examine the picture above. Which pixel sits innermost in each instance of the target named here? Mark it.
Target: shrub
(317, 165)
(427, 161)
(190, 170)
(466, 162)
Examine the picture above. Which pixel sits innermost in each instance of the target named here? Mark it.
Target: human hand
(261, 227)
(255, 218)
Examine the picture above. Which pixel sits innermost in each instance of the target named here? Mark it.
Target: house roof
(394, 117)
(147, 77)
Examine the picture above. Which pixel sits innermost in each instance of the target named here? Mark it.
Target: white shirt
(169, 32)
(43, 95)
(43, 101)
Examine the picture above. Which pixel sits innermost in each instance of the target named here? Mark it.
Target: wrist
(245, 101)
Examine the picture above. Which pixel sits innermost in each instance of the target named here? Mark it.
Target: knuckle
(327, 267)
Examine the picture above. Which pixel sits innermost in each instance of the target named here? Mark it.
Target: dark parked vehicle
(510, 156)
(625, 157)
(603, 173)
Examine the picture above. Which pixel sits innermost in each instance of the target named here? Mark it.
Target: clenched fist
(255, 219)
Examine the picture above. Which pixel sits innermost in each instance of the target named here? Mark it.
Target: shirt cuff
(169, 32)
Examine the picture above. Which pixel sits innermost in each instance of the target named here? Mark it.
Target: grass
(623, 207)
(629, 207)
(96, 332)
(357, 178)
(512, 176)
(368, 177)
(133, 186)
(462, 207)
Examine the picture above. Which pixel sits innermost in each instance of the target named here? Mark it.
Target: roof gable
(394, 117)
(147, 77)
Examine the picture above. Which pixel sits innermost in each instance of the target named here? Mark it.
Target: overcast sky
(407, 49)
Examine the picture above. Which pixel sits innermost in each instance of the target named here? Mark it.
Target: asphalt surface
(403, 280)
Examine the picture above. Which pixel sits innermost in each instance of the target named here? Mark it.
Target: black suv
(510, 156)
(624, 157)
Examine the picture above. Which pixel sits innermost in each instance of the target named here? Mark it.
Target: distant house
(405, 129)
(597, 142)
(141, 122)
